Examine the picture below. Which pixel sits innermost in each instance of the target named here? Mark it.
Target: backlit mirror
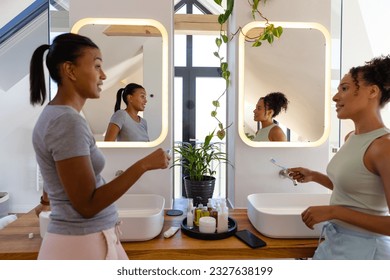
(298, 65)
(134, 51)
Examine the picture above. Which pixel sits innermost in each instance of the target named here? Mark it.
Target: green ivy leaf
(225, 38)
(221, 134)
(216, 103)
(270, 38)
(226, 75)
(224, 66)
(219, 2)
(257, 43)
(221, 19)
(280, 31)
(218, 42)
(214, 114)
(229, 8)
(263, 37)
(277, 31)
(216, 54)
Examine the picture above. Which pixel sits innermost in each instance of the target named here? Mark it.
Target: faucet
(284, 174)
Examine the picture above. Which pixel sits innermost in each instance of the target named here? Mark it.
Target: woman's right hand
(159, 159)
(300, 174)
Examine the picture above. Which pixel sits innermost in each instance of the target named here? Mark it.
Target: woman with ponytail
(127, 125)
(83, 220)
(357, 221)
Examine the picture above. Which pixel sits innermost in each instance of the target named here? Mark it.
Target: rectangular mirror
(134, 51)
(298, 65)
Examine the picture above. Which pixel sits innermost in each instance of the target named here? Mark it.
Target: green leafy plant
(267, 34)
(197, 160)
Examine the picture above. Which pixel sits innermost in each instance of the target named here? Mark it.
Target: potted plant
(199, 163)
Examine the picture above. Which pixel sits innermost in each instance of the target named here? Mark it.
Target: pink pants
(103, 245)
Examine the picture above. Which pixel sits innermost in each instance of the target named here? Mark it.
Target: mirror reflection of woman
(267, 108)
(127, 125)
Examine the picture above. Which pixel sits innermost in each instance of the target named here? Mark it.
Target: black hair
(65, 47)
(123, 93)
(375, 72)
(275, 101)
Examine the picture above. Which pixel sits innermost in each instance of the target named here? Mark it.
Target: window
(197, 83)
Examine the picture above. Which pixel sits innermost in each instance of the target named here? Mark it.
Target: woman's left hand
(316, 214)
(41, 208)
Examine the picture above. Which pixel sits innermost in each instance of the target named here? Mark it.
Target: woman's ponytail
(118, 100)
(37, 76)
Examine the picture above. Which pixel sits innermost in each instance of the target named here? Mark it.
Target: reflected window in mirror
(297, 64)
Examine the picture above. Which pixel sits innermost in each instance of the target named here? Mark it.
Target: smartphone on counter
(250, 239)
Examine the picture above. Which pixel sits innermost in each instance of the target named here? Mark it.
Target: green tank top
(353, 184)
(262, 134)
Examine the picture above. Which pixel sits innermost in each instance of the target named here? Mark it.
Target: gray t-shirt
(61, 133)
(130, 130)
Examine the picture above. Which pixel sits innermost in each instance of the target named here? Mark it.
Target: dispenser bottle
(190, 214)
(223, 218)
(198, 212)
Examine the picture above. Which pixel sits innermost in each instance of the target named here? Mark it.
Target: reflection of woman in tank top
(266, 109)
(126, 125)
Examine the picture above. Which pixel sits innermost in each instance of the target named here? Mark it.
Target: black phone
(250, 239)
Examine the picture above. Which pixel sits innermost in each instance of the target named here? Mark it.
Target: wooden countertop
(15, 243)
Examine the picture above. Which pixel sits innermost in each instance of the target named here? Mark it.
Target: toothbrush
(278, 165)
(284, 170)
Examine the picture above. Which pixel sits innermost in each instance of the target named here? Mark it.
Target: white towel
(7, 220)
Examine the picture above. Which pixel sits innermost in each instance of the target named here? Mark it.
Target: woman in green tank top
(358, 215)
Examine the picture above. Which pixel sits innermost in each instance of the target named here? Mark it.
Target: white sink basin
(278, 215)
(142, 216)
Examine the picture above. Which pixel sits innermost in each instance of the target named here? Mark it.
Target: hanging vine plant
(267, 34)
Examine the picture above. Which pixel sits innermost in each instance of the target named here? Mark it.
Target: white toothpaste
(171, 231)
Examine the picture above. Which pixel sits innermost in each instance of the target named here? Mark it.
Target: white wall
(13, 8)
(253, 172)
(17, 160)
(17, 118)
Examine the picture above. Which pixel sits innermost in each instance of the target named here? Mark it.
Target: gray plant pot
(199, 191)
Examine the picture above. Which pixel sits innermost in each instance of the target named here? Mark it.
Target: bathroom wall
(13, 8)
(158, 181)
(253, 172)
(18, 168)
